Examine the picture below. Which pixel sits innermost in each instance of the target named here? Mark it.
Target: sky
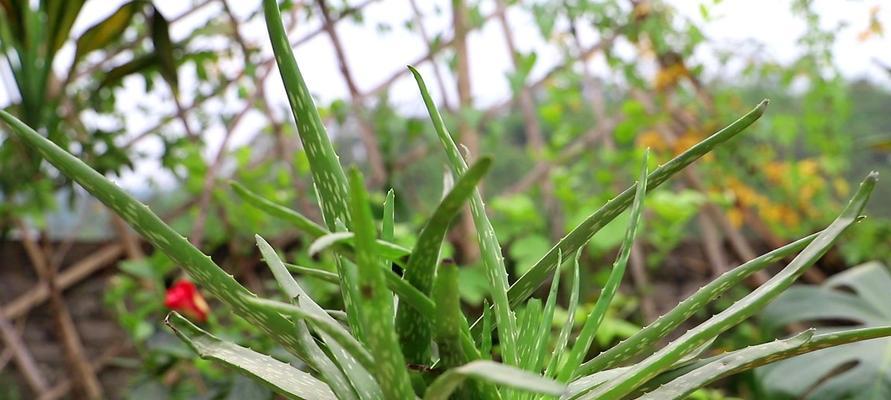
(765, 27)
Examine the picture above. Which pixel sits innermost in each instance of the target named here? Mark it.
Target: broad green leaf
(138, 64)
(106, 31)
(348, 355)
(375, 306)
(647, 337)
(414, 326)
(60, 18)
(663, 359)
(589, 329)
(858, 296)
(164, 49)
(490, 249)
(199, 266)
(493, 372)
(282, 377)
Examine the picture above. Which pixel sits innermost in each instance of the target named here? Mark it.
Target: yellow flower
(775, 171)
(669, 76)
(735, 215)
(686, 141)
(808, 167)
(653, 140)
(841, 186)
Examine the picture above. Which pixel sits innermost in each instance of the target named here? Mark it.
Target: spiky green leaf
(282, 377)
(414, 326)
(739, 311)
(589, 329)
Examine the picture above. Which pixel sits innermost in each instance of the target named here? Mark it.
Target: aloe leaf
(326, 276)
(199, 266)
(282, 377)
(588, 382)
(581, 234)
(409, 294)
(817, 342)
(665, 324)
(742, 309)
(539, 348)
(414, 326)
(447, 319)
(704, 372)
(330, 180)
(375, 308)
(327, 326)
(347, 356)
(595, 318)
(689, 382)
(528, 321)
(493, 372)
(325, 241)
(387, 249)
(449, 326)
(317, 359)
(486, 338)
(563, 337)
(490, 249)
(388, 222)
(303, 223)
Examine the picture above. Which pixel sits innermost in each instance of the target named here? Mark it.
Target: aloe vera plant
(406, 336)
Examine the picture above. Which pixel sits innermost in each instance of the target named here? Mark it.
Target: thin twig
(711, 240)
(75, 354)
(39, 293)
(23, 359)
(61, 389)
(642, 282)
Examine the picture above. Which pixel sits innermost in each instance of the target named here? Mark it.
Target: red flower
(184, 297)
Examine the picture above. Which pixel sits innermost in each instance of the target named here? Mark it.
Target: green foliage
(383, 354)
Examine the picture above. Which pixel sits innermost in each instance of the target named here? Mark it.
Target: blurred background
(174, 99)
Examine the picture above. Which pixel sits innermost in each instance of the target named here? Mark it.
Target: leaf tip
(763, 105)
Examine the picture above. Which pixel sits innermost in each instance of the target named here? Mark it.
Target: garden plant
(402, 333)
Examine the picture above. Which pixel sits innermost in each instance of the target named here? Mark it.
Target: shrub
(423, 344)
